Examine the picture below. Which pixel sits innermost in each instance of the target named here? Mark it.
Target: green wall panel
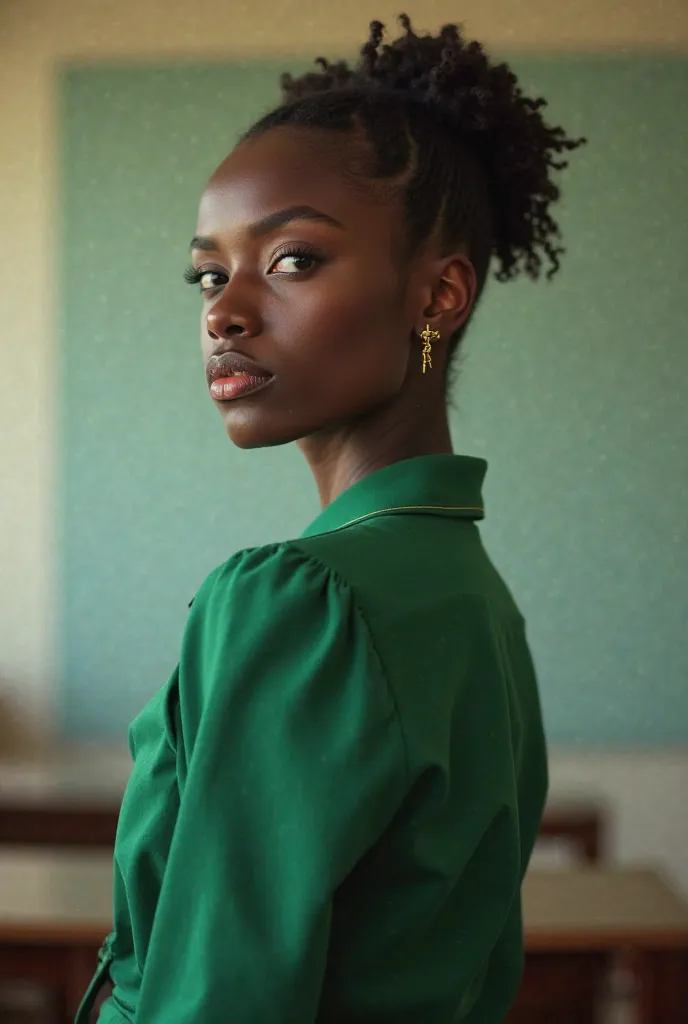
(575, 392)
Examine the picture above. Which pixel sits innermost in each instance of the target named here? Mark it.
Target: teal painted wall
(574, 391)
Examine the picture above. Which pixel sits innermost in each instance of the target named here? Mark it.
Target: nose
(232, 316)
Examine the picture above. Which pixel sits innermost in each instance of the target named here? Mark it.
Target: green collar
(444, 485)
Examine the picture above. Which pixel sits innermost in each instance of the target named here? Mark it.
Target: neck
(341, 457)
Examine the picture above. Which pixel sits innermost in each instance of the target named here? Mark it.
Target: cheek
(357, 363)
(359, 324)
(370, 346)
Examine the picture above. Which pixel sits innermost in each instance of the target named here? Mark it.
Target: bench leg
(663, 987)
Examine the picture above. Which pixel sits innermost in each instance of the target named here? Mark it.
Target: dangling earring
(428, 337)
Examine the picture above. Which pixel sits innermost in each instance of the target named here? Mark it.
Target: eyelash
(194, 276)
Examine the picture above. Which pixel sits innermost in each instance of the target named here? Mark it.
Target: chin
(248, 432)
(254, 425)
(248, 444)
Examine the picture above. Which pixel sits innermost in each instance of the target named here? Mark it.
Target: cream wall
(35, 35)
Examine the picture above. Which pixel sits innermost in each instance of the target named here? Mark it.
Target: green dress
(335, 796)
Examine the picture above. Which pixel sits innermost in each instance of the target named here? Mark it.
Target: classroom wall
(37, 39)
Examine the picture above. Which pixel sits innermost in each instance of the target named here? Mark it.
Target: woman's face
(307, 319)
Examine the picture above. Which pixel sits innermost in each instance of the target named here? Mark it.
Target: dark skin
(327, 307)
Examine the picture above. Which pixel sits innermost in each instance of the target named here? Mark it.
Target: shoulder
(273, 628)
(275, 579)
(343, 558)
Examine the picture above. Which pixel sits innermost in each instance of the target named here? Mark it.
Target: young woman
(335, 796)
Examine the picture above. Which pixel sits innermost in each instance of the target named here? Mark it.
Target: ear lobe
(432, 321)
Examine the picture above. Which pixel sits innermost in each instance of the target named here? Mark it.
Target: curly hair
(453, 133)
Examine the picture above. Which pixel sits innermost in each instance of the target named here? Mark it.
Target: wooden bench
(61, 801)
(71, 801)
(55, 908)
(580, 825)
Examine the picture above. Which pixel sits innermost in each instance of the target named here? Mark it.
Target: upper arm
(294, 767)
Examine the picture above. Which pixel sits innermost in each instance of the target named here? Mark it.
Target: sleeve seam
(383, 671)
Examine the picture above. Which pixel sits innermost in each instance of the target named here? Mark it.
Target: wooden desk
(577, 922)
(55, 910)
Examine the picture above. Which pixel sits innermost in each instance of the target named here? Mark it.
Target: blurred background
(119, 491)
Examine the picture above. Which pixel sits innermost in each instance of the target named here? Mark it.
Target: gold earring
(428, 337)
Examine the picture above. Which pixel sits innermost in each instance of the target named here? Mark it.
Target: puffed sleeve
(293, 765)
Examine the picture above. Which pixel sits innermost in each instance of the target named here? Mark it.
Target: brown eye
(293, 264)
(208, 280)
(295, 261)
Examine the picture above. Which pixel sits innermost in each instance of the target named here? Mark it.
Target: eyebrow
(270, 223)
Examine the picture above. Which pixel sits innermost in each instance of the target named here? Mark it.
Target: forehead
(287, 167)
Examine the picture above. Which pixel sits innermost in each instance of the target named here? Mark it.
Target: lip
(232, 375)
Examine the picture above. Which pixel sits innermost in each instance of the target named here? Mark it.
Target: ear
(452, 295)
